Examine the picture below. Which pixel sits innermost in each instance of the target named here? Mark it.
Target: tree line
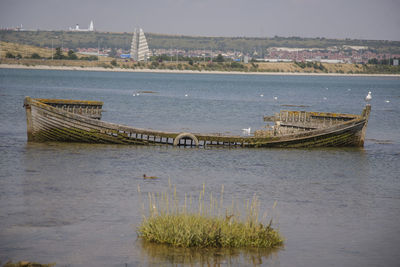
(71, 55)
(74, 40)
(385, 61)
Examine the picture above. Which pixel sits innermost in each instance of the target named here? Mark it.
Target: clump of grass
(204, 224)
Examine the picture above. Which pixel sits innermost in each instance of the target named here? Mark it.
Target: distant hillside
(26, 51)
(22, 55)
(73, 40)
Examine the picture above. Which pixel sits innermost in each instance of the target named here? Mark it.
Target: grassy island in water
(202, 223)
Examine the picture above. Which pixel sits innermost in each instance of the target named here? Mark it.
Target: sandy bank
(46, 67)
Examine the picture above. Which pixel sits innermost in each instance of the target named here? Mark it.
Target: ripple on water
(77, 204)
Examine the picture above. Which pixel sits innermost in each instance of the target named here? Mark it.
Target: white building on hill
(77, 29)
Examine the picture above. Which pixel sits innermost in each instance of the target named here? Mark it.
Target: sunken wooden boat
(80, 121)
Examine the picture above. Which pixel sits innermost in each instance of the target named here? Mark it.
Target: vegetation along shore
(93, 67)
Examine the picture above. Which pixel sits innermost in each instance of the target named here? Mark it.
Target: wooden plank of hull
(52, 127)
(48, 123)
(345, 137)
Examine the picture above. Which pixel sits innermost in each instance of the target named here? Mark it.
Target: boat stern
(364, 115)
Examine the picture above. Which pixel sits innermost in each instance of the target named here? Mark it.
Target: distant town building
(139, 48)
(333, 54)
(17, 29)
(77, 29)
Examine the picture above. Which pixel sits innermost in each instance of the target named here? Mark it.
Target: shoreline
(47, 67)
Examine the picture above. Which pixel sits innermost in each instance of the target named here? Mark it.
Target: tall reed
(205, 222)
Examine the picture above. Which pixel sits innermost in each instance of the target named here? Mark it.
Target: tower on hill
(139, 48)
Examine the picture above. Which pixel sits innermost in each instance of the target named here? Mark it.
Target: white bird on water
(275, 98)
(247, 131)
(261, 95)
(368, 97)
(186, 95)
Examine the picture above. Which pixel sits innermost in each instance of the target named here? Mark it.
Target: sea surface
(78, 204)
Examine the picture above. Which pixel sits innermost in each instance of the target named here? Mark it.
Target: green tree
(58, 54)
(113, 52)
(72, 55)
(154, 64)
(301, 64)
(90, 58)
(236, 65)
(35, 56)
(9, 55)
(373, 61)
(219, 58)
(113, 62)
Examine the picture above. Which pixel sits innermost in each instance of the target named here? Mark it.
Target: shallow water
(77, 204)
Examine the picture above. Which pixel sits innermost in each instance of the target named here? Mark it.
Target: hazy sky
(356, 19)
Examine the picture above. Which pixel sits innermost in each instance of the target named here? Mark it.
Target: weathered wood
(365, 114)
(79, 121)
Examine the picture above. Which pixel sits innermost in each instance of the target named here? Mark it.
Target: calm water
(77, 205)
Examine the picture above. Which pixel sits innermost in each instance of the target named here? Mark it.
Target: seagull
(387, 101)
(325, 98)
(186, 95)
(262, 95)
(247, 131)
(275, 98)
(368, 97)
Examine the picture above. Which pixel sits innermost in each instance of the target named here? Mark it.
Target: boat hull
(72, 123)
